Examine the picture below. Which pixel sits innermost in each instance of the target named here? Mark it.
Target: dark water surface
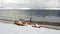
(28, 13)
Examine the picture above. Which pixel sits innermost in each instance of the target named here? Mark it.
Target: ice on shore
(14, 29)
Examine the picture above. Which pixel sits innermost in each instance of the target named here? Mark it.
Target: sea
(48, 15)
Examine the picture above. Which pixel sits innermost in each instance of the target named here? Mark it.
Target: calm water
(25, 14)
(14, 13)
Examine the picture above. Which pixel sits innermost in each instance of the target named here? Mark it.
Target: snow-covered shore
(14, 29)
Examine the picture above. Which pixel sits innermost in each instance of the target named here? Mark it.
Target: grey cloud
(33, 4)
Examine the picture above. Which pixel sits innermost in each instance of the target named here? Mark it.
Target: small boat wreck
(36, 26)
(20, 22)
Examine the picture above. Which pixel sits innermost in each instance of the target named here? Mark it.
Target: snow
(15, 29)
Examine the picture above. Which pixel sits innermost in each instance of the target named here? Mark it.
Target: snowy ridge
(14, 29)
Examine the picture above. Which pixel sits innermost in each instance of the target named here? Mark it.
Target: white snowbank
(14, 29)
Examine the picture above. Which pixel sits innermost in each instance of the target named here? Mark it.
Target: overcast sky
(31, 3)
